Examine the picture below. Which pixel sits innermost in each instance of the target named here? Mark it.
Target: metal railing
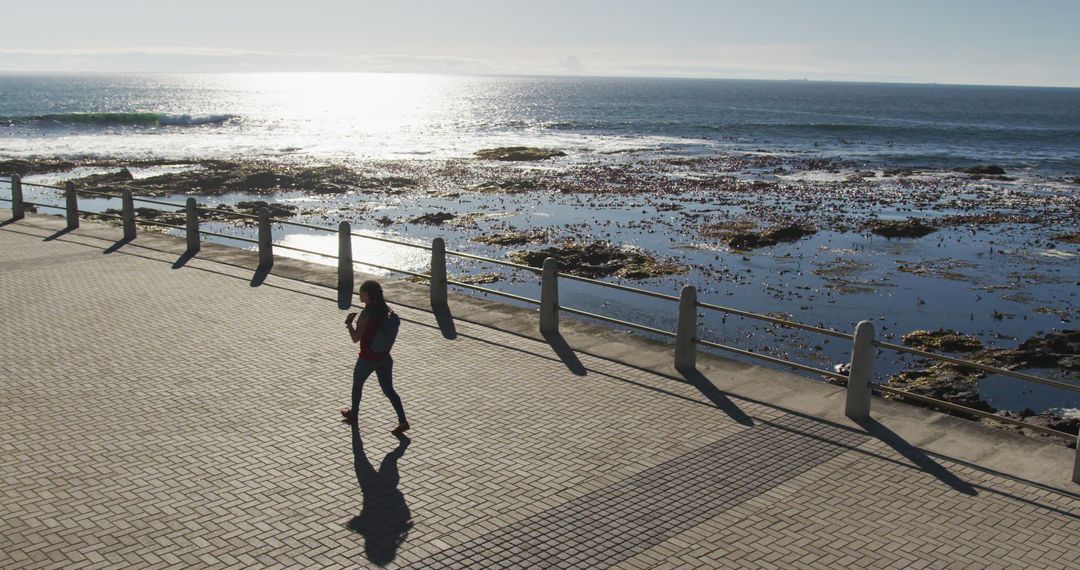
(859, 385)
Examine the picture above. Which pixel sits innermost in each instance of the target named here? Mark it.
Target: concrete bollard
(128, 215)
(72, 206)
(1076, 462)
(438, 273)
(18, 209)
(857, 406)
(266, 243)
(194, 241)
(345, 278)
(549, 298)
(686, 332)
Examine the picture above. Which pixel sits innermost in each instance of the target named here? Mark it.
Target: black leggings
(384, 371)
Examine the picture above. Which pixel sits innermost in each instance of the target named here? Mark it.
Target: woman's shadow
(385, 520)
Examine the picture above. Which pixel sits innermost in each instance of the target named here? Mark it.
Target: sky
(996, 42)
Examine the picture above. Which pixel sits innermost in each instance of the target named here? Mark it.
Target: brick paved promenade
(160, 416)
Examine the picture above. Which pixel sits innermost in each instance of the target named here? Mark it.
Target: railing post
(345, 278)
(18, 210)
(1076, 462)
(194, 241)
(266, 244)
(686, 333)
(128, 215)
(72, 206)
(549, 298)
(438, 272)
(857, 406)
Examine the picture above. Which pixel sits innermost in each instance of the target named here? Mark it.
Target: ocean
(368, 116)
(662, 165)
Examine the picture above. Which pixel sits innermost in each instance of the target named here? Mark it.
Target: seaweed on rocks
(1068, 238)
(600, 259)
(911, 227)
(737, 237)
(512, 238)
(988, 169)
(942, 340)
(1054, 349)
(29, 167)
(518, 153)
(942, 381)
(276, 210)
(433, 219)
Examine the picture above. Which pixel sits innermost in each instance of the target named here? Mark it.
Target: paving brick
(152, 416)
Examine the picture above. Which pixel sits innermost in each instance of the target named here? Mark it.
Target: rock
(102, 182)
(941, 381)
(512, 238)
(942, 340)
(1068, 238)
(751, 240)
(478, 279)
(28, 167)
(276, 210)
(1055, 349)
(265, 179)
(518, 153)
(911, 227)
(991, 169)
(600, 259)
(434, 219)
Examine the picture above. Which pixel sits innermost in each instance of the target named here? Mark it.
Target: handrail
(536, 270)
(388, 240)
(39, 185)
(492, 291)
(220, 235)
(620, 322)
(784, 322)
(104, 215)
(978, 366)
(772, 359)
(645, 292)
(303, 225)
(645, 328)
(226, 212)
(40, 205)
(967, 410)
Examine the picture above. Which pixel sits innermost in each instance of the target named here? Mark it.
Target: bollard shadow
(260, 274)
(565, 353)
(698, 380)
(8, 221)
(385, 520)
(445, 320)
(915, 455)
(56, 234)
(119, 244)
(183, 259)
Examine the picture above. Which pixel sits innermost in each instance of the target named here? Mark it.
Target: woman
(381, 363)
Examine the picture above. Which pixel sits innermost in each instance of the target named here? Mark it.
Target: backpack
(385, 333)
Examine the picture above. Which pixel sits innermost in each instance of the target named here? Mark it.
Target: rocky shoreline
(723, 206)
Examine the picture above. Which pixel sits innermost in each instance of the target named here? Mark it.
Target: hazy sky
(1008, 42)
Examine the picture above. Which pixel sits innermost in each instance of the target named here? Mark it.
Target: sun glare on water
(363, 250)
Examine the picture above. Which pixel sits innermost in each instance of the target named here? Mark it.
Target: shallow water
(999, 283)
